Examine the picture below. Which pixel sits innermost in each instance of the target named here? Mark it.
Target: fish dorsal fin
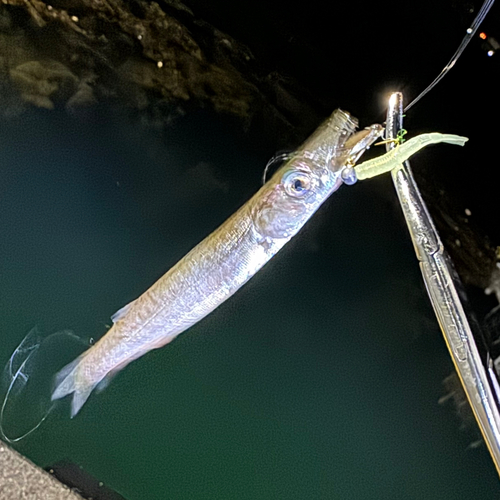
(121, 313)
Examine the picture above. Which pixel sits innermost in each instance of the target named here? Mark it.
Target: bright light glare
(393, 99)
(491, 52)
(482, 36)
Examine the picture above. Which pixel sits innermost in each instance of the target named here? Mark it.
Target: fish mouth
(354, 145)
(333, 133)
(336, 143)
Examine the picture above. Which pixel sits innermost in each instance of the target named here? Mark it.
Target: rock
(38, 81)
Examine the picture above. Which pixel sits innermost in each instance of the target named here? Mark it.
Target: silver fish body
(225, 260)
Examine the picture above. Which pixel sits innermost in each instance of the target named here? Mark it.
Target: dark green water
(319, 379)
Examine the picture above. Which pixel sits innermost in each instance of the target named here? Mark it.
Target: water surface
(319, 379)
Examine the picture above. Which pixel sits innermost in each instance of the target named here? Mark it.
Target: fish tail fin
(68, 381)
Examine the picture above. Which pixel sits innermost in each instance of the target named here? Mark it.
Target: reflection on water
(319, 379)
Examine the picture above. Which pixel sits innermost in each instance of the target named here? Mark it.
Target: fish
(226, 259)
(223, 262)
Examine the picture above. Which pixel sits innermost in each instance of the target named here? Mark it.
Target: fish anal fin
(103, 384)
(113, 372)
(160, 342)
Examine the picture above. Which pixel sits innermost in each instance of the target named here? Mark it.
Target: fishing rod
(474, 364)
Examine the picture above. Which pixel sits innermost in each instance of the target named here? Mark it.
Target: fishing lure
(402, 152)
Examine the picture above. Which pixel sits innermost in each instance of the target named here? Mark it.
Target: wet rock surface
(157, 59)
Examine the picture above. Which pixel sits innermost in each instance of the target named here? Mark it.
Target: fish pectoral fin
(122, 312)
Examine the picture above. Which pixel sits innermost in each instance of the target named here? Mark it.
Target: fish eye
(297, 183)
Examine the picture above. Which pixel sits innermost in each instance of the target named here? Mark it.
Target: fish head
(311, 174)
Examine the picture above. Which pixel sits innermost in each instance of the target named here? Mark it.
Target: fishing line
(27, 378)
(467, 38)
(16, 376)
(278, 158)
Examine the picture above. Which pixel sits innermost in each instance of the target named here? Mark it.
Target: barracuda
(224, 261)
